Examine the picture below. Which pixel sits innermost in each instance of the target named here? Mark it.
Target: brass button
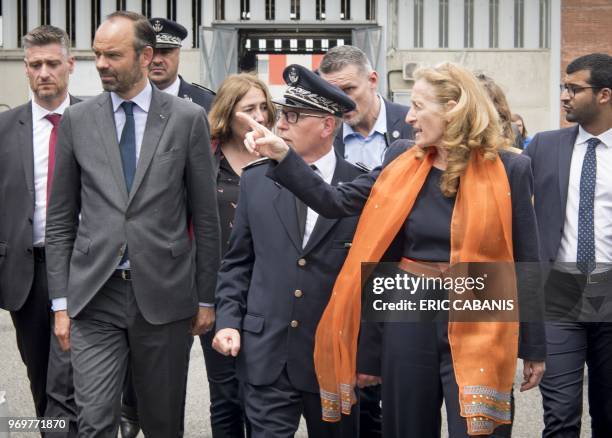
(302, 262)
(298, 293)
(294, 323)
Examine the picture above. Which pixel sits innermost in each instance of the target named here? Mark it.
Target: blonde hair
(472, 124)
(231, 91)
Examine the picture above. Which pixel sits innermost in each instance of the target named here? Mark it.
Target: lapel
(284, 204)
(107, 133)
(27, 146)
(394, 126)
(566, 148)
(159, 111)
(182, 91)
(323, 224)
(339, 142)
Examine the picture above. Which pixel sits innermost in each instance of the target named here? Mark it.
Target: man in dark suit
(163, 70)
(572, 170)
(130, 164)
(28, 138)
(163, 73)
(366, 134)
(375, 123)
(269, 320)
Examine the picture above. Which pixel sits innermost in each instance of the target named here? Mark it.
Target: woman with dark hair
(455, 197)
(518, 121)
(249, 95)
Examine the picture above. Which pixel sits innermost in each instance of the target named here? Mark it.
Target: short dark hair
(46, 34)
(600, 66)
(340, 57)
(144, 35)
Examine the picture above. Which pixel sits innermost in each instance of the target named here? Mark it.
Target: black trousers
(572, 341)
(48, 367)
(274, 411)
(108, 331)
(417, 372)
(227, 418)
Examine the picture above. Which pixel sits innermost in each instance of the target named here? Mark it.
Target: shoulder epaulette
(256, 163)
(202, 87)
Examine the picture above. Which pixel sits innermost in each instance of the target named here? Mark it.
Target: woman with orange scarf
(454, 197)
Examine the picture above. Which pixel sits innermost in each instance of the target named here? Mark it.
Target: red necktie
(55, 120)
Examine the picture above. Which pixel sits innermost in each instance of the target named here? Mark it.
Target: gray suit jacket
(16, 205)
(173, 176)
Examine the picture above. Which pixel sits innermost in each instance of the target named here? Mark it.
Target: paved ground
(13, 380)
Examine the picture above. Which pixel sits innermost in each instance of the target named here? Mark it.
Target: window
(320, 10)
(269, 9)
(22, 19)
(468, 24)
(245, 10)
(120, 6)
(219, 9)
(1, 30)
(146, 8)
(294, 13)
(418, 23)
(196, 22)
(544, 24)
(371, 10)
(493, 24)
(171, 9)
(443, 24)
(71, 21)
(96, 13)
(45, 12)
(519, 23)
(345, 9)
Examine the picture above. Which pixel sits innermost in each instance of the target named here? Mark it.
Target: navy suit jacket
(551, 156)
(349, 199)
(267, 280)
(397, 128)
(197, 94)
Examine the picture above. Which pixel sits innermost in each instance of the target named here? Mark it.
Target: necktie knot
(54, 118)
(593, 142)
(128, 107)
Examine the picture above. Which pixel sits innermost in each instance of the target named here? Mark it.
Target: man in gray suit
(133, 168)
(28, 137)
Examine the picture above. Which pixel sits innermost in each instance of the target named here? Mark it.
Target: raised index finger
(252, 123)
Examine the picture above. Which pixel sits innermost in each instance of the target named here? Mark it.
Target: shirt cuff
(207, 305)
(58, 304)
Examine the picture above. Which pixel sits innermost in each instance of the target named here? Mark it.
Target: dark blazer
(397, 128)
(267, 280)
(349, 199)
(197, 94)
(174, 173)
(551, 156)
(17, 198)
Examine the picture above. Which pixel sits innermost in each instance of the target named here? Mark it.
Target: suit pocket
(82, 244)
(168, 156)
(3, 248)
(180, 247)
(253, 323)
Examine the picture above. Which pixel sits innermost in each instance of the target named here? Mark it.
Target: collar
(173, 89)
(326, 165)
(38, 112)
(604, 137)
(380, 126)
(142, 99)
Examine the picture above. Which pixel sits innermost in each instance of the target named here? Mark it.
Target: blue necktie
(127, 145)
(586, 231)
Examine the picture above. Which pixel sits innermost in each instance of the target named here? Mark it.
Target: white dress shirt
(326, 166)
(142, 103)
(174, 88)
(41, 132)
(602, 207)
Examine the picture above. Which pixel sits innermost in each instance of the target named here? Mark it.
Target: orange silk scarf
(484, 353)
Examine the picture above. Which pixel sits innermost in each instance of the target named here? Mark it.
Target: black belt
(124, 274)
(600, 277)
(39, 254)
